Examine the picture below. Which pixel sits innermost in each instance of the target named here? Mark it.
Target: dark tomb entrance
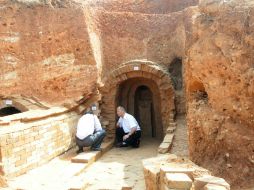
(141, 98)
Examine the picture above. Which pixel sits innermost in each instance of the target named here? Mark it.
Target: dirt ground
(180, 143)
(121, 167)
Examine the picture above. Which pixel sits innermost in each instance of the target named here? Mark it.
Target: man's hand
(126, 137)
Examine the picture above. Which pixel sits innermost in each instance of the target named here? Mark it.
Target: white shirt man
(89, 132)
(127, 122)
(87, 125)
(128, 131)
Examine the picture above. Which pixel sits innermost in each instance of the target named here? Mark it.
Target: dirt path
(180, 142)
(121, 167)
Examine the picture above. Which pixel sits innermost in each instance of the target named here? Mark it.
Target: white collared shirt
(87, 124)
(127, 122)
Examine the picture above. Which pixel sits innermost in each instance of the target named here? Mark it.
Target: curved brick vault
(154, 75)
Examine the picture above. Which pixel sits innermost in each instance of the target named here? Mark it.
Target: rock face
(144, 6)
(220, 89)
(45, 52)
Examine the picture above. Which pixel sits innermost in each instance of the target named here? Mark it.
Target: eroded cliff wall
(220, 90)
(45, 52)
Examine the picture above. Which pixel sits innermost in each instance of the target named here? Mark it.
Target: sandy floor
(121, 167)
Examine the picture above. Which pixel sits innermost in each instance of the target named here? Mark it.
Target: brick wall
(25, 146)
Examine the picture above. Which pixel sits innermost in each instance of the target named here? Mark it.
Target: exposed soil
(121, 167)
(180, 142)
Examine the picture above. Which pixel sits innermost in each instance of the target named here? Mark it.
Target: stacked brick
(27, 145)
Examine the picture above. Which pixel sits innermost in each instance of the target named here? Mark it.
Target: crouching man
(89, 131)
(128, 131)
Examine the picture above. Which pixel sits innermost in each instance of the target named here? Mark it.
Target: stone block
(86, 157)
(164, 148)
(214, 187)
(152, 171)
(200, 182)
(166, 144)
(171, 129)
(177, 181)
(172, 123)
(167, 169)
(168, 138)
(126, 188)
(151, 174)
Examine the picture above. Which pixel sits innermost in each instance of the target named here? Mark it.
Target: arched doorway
(141, 98)
(9, 111)
(121, 86)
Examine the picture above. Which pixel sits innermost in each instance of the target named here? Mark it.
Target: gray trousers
(93, 140)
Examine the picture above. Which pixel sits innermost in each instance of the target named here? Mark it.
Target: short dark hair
(121, 108)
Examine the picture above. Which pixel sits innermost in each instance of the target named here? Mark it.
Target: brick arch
(137, 69)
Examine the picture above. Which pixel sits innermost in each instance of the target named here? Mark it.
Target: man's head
(120, 111)
(91, 109)
(88, 111)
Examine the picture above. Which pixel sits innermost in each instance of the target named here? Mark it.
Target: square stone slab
(178, 181)
(200, 182)
(86, 157)
(214, 187)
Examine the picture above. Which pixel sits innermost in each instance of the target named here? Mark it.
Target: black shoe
(137, 144)
(123, 144)
(118, 144)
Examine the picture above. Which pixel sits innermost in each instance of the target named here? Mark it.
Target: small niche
(175, 69)
(10, 110)
(198, 91)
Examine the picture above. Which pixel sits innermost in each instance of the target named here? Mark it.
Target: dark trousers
(133, 140)
(93, 140)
